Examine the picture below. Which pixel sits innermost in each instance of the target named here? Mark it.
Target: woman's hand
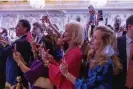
(64, 68)
(46, 57)
(17, 56)
(32, 42)
(3, 41)
(60, 42)
(30, 38)
(34, 46)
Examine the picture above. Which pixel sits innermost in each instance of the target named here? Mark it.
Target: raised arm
(31, 74)
(73, 60)
(99, 76)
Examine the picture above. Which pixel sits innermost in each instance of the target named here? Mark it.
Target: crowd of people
(43, 58)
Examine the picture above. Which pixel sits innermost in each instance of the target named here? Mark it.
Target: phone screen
(100, 14)
(15, 48)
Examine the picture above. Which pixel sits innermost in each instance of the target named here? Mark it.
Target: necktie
(129, 81)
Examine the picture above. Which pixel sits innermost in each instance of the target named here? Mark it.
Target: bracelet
(19, 64)
(68, 76)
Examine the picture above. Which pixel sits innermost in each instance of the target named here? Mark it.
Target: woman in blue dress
(102, 62)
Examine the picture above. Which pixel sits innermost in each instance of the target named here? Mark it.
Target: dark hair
(110, 27)
(129, 21)
(4, 31)
(92, 30)
(50, 44)
(25, 24)
(78, 19)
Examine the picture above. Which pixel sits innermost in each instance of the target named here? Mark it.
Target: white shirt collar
(129, 40)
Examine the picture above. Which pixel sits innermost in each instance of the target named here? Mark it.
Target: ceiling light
(38, 4)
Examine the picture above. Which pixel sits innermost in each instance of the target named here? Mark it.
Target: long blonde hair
(108, 38)
(77, 32)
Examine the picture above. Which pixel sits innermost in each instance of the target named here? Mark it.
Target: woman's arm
(37, 71)
(23, 67)
(70, 77)
(19, 60)
(100, 75)
(55, 29)
(73, 61)
(31, 74)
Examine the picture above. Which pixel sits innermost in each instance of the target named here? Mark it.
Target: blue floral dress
(99, 77)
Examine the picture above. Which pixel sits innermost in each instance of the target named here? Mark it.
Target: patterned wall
(9, 20)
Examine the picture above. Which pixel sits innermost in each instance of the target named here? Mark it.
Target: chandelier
(38, 4)
(98, 3)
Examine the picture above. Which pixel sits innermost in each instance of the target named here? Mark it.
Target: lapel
(123, 52)
(124, 46)
(23, 36)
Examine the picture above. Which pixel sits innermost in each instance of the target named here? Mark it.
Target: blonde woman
(101, 65)
(73, 36)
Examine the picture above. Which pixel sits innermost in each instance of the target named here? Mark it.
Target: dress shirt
(128, 46)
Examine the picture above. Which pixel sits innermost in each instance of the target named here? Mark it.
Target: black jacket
(120, 80)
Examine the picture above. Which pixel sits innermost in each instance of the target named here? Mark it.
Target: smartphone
(100, 14)
(15, 48)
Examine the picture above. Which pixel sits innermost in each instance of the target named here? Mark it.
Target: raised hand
(17, 56)
(45, 55)
(30, 38)
(64, 68)
(3, 41)
(34, 46)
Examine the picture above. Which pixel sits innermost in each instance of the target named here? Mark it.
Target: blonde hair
(77, 32)
(108, 38)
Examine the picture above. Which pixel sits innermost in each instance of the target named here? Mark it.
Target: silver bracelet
(68, 76)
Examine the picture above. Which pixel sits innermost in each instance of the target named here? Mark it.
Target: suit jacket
(2, 68)
(12, 70)
(120, 80)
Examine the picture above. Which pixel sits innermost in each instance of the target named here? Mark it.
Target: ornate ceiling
(63, 4)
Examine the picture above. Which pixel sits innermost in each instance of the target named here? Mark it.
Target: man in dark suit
(22, 46)
(2, 68)
(124, 44)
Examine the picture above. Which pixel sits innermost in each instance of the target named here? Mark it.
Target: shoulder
(76, 51)
(109, 64)
(121, 38)
(103, 69)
